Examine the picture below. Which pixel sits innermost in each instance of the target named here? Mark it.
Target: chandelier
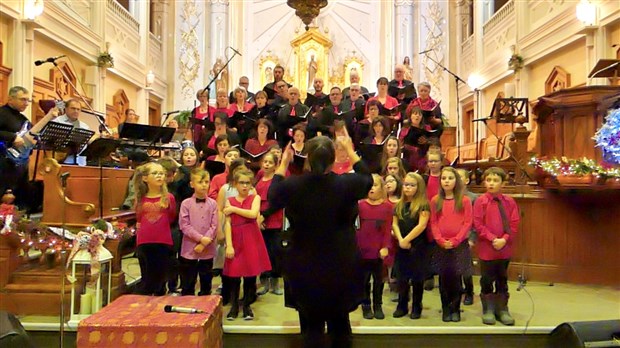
(307, 10)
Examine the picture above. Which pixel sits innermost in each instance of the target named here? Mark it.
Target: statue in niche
(408, 69)
(313, 67)
(268, 74)
(222, 79)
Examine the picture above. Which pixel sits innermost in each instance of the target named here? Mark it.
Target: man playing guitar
(14, 134)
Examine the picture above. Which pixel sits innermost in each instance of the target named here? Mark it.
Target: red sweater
(375, 228)
(488, 224)
(216, 184)
(154, 221)
(432, 189)
(274, 219)
(450, 224)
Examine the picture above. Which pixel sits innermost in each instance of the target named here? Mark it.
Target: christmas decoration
(608, 137)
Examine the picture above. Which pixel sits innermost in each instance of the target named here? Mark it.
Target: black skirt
(414, 263)
(454, 261)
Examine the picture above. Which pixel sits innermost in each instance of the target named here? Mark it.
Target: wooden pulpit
(569, 118)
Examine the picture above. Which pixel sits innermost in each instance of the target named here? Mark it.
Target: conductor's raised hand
(287, 154)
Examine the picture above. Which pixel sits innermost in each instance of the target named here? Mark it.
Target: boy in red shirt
(496, 218)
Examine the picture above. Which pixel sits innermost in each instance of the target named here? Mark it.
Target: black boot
(402, 308)
(417, 294)
(367, 312)
(455, 307)
(445, 305)
(468, 298)
(429, 283)
(377, 299)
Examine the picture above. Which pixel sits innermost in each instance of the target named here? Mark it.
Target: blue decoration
(608, 137)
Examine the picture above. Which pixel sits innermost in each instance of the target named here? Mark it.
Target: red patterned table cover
(140, 321)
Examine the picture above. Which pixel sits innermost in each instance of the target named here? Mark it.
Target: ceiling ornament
(307, 10)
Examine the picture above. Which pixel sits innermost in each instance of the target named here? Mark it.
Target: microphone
(237, 52)
(172, 112)
(186, 310)
(48, 60)
(426, 51)
(482, 119)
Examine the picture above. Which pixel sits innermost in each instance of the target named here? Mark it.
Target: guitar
(19, 155)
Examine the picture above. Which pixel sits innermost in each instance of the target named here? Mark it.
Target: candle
(509, 90)
(85, 303)
(96, 305)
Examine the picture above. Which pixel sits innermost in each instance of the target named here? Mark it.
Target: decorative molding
(558, 79)
(121, 13)
(189, 57)
(398, 3)
(507, 11)
(218, 2)
(433, 20)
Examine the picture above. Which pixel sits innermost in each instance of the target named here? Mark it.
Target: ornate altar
(311, 58)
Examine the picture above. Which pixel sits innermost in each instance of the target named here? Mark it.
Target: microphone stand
(97, 114)
(457, 79)
(63, 184)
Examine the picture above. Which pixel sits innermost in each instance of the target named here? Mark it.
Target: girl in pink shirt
(451, 219)
(155, 210)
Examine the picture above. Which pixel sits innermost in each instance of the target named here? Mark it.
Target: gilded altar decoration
(311, 51)
(433, 21)
(189, 57)
(307, 10)
(266, 65)
(352, 64)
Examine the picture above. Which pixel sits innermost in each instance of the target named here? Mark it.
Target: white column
(22, 58)
(403, 29)
(386, 58)
(219, 31)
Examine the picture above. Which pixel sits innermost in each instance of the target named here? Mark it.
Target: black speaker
(604, 333)
(12, 333)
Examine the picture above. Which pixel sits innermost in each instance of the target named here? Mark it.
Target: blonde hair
(142, 188)
(241, 171)
(418, 201)
(376, 178)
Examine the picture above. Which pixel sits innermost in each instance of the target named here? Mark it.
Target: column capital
(218, 2)
(399, 3)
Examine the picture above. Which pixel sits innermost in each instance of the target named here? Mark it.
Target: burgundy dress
(251, 258)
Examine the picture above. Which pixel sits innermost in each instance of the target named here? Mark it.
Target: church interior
(530, 86)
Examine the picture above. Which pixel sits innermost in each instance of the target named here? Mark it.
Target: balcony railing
(122, 14)
(505, 12)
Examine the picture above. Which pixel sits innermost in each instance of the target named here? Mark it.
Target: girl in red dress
(246, 254)
(373, 240)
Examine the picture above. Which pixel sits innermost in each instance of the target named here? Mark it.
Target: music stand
(51, 138)
(506, 110)
(77, 141)
(99, 149)
(606, 68)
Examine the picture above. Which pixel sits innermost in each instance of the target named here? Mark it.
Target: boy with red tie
(496, 218)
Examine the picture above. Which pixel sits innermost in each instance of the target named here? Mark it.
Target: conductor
(320, 265)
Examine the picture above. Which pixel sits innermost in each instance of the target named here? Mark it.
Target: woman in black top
(323, 279)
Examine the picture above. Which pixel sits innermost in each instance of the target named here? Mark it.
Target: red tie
(352, 105)
(293, 111)
(336, 108)
(400, 83)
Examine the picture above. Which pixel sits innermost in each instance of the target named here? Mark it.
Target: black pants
(190, 269)
(270, 236)
(173, 273)
(15, 178)
(417, 294)
(449, 288)
(468, 285)
(373, 268)
(313, 330)
(494, 272)
(249, 289)
(154, 261)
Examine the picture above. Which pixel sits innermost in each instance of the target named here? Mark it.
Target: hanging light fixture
(307, 10)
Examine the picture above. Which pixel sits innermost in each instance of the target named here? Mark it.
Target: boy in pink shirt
(198, 222)
(496, 219)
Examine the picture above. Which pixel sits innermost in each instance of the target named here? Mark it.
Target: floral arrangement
(583, 167)
(183, 117)
(608, 137)
(515, 62)
(105, 60)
